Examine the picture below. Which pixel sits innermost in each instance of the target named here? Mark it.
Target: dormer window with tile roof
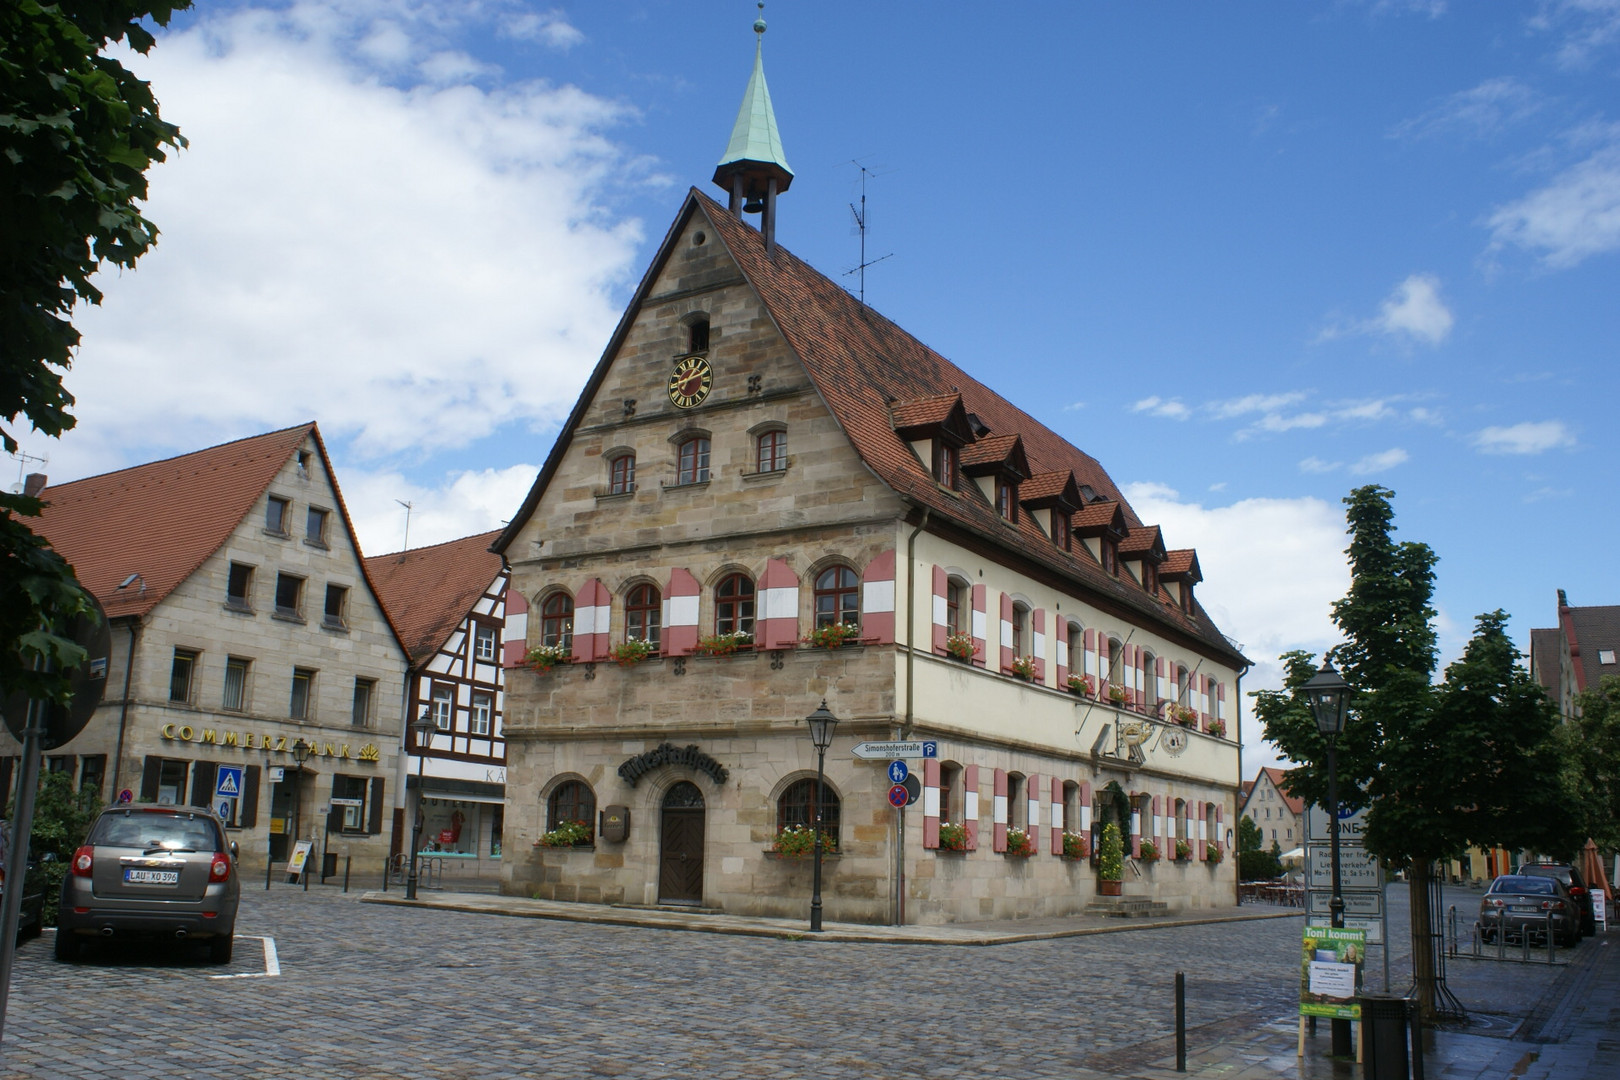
(1142, 551)
(998, 464)
(936, 428)
(1101, 527)
(1051, 498)
(1180, 573)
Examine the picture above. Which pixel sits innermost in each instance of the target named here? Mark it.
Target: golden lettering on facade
(345, 752)
(281, 743)
(168, 731)
(230, 738)
(271, 743)
(369, 752)
(187, 733)
(209, 736)
(331, 751)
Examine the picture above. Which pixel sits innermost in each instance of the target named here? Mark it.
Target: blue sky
(1248, 256)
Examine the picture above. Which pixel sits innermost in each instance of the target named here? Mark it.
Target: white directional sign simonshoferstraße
(893, 751)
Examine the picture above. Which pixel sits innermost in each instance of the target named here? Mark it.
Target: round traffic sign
(899, 796)
(898, 772)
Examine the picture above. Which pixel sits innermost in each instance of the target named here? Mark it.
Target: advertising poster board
(1330, 972)
(299, 859)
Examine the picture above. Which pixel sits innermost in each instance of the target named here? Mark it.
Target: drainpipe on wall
(123, 712)
(905, 730)
(1237, 721)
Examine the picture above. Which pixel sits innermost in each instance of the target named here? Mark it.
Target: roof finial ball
(759, 23)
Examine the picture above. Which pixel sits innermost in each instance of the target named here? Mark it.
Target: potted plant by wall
(799, 841)
(952, 837)
(1110, 861)
(1118, 695)
(542, 658)
(961, 646)
(1084, 685)
(1212, 855)
(1150, 852)
(1183, 715)
(831, 636)
(1183, 851)
(1023, 667)
(722, 644)
(568, 834)
(1217, 728)
(1019, 843)
(1076, 846)
(630, 651)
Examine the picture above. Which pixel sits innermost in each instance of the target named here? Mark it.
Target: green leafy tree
(1475, 760)
(78, 132)
(1255, 863)
(1592, 743)
(62, 820)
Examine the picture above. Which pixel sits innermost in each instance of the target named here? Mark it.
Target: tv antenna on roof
(860, 226)
(407, 507)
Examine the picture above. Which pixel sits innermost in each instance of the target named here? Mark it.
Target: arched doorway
(680, 848)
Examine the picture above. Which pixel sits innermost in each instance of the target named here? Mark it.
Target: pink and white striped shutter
(1032, 811)
(1127, 678)
(1161, 685)
(778, 626)
(1136, 826)
(942, 629)
(979, 627)
(1158, 824)
(1139, 668)
(1203, 703)
(1006, 633)
(930, 793)
(1220, 842)
(1037, 624)
(1220, 708)
(1203, 830)
(1060, 630)
(591, 611)
(1057, 815)
(1085, 808)
(970, 805)
(515, 635)
(681, 613)
(998, 812)
(1169, 826)
(1089, 660)
(877, 599)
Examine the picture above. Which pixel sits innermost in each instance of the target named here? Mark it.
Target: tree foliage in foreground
(78, 132)
(1593, 739)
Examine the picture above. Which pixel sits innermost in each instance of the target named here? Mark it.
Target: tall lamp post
(1329, 697)
(300, 752)
(822, 724)
(423, 730)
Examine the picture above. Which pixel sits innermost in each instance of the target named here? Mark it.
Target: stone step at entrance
(1127, 907)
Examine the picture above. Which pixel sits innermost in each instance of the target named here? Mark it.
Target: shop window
(557, 620)
(182, 675)
(497, 819)
(236, 684)
(348, 804)
(692, 466)
(573, 800)
(239, 587)
(163, 780)
(734, 605)
(798, 805)
(642, 614)
(302, 706)
(277, 514)
(622, 475)
(365, 690)
(315, 526)
(484, 642)
(483, 711)
(771, 455)
(838, 596)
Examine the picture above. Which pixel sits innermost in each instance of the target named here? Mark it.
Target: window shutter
(1057, 815)
(1037, 625)
(778, 625)
(1085, 807)
(1135, 843)
(930, 793)
(942, 586)
(980, 629)
(514, 635)
(1032, 811)
(970, 805)
(149, 778)
(1006, 633)
(202, 783)
(250, 797)
(374, 826)
(877, 599)
(998, 813)
(680, 612)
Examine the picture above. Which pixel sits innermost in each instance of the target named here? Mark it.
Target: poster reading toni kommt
(1330, 972)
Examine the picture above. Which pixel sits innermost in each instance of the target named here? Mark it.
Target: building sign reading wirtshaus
(275, 744)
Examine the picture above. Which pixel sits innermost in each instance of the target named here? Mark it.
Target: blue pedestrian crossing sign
(228, 784)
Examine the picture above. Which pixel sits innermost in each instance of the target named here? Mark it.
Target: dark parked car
(31, 918)
(1517, 905)
(1576, 885)
(152, 871)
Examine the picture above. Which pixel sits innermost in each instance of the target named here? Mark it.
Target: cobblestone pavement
(372, 991)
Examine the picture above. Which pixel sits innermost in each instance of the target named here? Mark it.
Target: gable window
(303, 694)
(956, 606)
(239, 587)
(557, 620)
(1150, 576)
(483, 642)
(1116, 662)
(1020, 629)
(771, 453)
(337, 603)
(800, 804)
(1110, 555)
(1006, 498)
(364, 691)
(315, 526)
(642, 614)
(838, 596)
(734, 605)
(693, 464)
(946, 459)
(181, 674)
(483, 707)
(1060, 529)
(236, 678)
(444, 707)
(277, 512)
(697, 335)
(622, 475)
(289, 596)
(572, 801)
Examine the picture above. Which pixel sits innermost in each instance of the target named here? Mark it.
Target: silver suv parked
(154, 871)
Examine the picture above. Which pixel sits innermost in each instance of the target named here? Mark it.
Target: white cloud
(1276, 422)
(1479, 112)
(1317, 465)
(1589, 26)
(1253, 403)
(1575, 216)
(1415, 309)
(1272, 569)
(1530, 437)
(551, 28)
(469, 502)
(413, 266)
(1380, 462)
(1155, 406)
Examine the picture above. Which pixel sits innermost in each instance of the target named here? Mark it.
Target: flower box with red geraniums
(542, 658)
(722, 644)
(1118, 695)
(831, 636)
(1019, 843)
(630, 652)
(1084, 685)
(952, 837)
(1023, 667)
(1150, 852)
(961, 646)
(1076, 846)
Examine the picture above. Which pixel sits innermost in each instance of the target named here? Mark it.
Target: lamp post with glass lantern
(300, 752)
(422, 730)
(1329, 698)
(822, 723)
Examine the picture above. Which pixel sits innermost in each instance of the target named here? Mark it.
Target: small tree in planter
(961, 646)
(630, 651)
(1084, 685)
(1150, 852)
(1019, 843)
(1110, 861)
(542, 658)
(1076, 845)
(831, 636)
(952, 837)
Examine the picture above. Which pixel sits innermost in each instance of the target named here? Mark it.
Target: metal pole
(815, 880)
(1181, 1021)
(298, 810)
(1341, 1028)
(17, 860)
(416, 828)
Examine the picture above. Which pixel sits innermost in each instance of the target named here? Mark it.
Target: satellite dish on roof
(62, 722)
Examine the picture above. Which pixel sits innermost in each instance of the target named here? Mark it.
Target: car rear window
(1560, 872)
(147, 829)
(1522, 885)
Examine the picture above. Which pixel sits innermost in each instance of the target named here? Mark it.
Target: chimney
(33, 484)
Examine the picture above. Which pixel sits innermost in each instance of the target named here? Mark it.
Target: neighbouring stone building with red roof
(1279, 815)
(248, 647)
(786, 499)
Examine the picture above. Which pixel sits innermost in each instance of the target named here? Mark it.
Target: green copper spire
(755, 151)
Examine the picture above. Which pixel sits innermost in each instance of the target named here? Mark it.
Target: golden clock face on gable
(689, 383)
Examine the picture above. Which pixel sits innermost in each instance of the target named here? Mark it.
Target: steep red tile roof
(1142, 540)
(161, 520)
(860, 362)
(1182, 562)
(1279, 780)
(428, 591)
(1099, 517)
(1050, 488)
(925, 412)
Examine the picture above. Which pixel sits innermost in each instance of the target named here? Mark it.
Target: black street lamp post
(1329, 697)
(822, 724)
(423, 730)
(300, 752)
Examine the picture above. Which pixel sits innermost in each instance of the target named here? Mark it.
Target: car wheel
(219, 948)
(67, 946)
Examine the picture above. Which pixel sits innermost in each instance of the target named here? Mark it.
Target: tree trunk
(1418, 876)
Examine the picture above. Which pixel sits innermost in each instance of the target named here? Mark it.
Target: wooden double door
(680, 845)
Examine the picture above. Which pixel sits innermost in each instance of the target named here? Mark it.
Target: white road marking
(272, 963)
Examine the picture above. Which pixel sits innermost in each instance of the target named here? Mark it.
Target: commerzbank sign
(275, 744)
